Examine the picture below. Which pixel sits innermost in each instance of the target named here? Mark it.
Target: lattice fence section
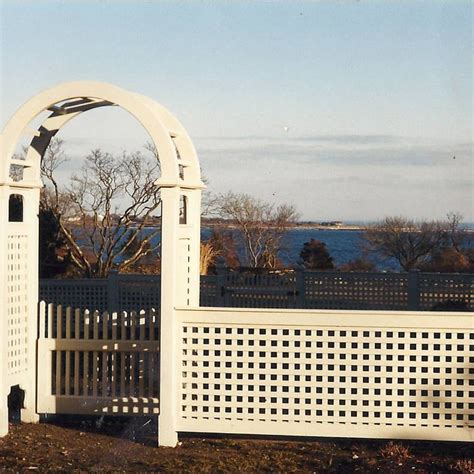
(209, 290)
(300, 289)
(356, 291)
(247, 290)
(84, 293)
(324, 379)
(17, 303)
(138, 292)
(94, 363)
(444, 291)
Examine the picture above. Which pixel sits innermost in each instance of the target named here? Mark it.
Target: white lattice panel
(323, 379)
(17, 303)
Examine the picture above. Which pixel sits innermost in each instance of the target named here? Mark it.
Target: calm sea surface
(343, 246)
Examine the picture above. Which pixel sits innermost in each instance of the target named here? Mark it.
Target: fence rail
(97, 363)
(412, 291)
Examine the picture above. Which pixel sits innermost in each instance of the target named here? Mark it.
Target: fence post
(112, 292)
(300, 287)
(414, 290)
(169, 326)
(221, 271)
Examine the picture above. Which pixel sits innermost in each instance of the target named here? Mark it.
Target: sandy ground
(65, 445)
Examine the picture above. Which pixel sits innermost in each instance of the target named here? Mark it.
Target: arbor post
(4, 388)
(169, 403)
(28, 381)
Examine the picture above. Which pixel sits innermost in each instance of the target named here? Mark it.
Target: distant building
(332, 224)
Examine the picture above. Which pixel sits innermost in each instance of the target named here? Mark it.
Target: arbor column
(4, 387)
(169, 403)
(31, 220)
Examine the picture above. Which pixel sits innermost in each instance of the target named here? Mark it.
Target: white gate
(98, 363)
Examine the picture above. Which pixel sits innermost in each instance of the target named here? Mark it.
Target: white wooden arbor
(180, 184)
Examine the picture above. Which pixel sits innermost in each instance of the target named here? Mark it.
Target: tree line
(105, 218)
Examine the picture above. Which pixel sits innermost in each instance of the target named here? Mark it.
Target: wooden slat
(59, 322)
(42, 320)
(67, 375)
(87, 323)
(105, 325)
(85, 374)
(68, 322)
(95, 323)
(76, 373)
(58, 373)
(50, 314)
(105, 376)
(95, 374)
(77, 323)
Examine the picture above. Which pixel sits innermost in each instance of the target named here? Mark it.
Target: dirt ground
(64, 445)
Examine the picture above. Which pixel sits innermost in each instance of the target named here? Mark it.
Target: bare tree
(260, 225)
(410, 243)
(98, 234)
(461, 240)
(457, 254)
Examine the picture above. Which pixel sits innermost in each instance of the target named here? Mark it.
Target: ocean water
(343, 246)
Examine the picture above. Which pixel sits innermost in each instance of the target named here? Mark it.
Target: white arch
(180, 176)
(156, 119)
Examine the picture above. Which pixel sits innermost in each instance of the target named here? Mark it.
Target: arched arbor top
(178, 159)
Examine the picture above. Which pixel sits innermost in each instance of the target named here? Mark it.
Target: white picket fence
(330, 373)
(97, 363)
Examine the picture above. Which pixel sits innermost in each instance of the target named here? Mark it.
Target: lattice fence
(443, 290)
(300, 289)
(327, 374)
(80, 293)
(356, 290)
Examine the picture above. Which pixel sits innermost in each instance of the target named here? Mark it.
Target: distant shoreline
(293, 227)
(343, 227)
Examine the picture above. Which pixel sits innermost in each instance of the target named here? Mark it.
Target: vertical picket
(67, 374)
(77, 323)
(95, 326)
(42, 320)
(114, 323)
(68, 322)
(151, 359)
(123, 335)
(50, 321)
(85, 369)
(132, 355)
(59, 322)
(105, 325)
(77, 318)
(151, 324)
(141, 355)
(113, 356)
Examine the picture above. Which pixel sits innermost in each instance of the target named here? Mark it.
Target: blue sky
(376, 95)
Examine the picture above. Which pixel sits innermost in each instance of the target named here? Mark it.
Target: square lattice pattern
(17, 303)
(389, 377)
